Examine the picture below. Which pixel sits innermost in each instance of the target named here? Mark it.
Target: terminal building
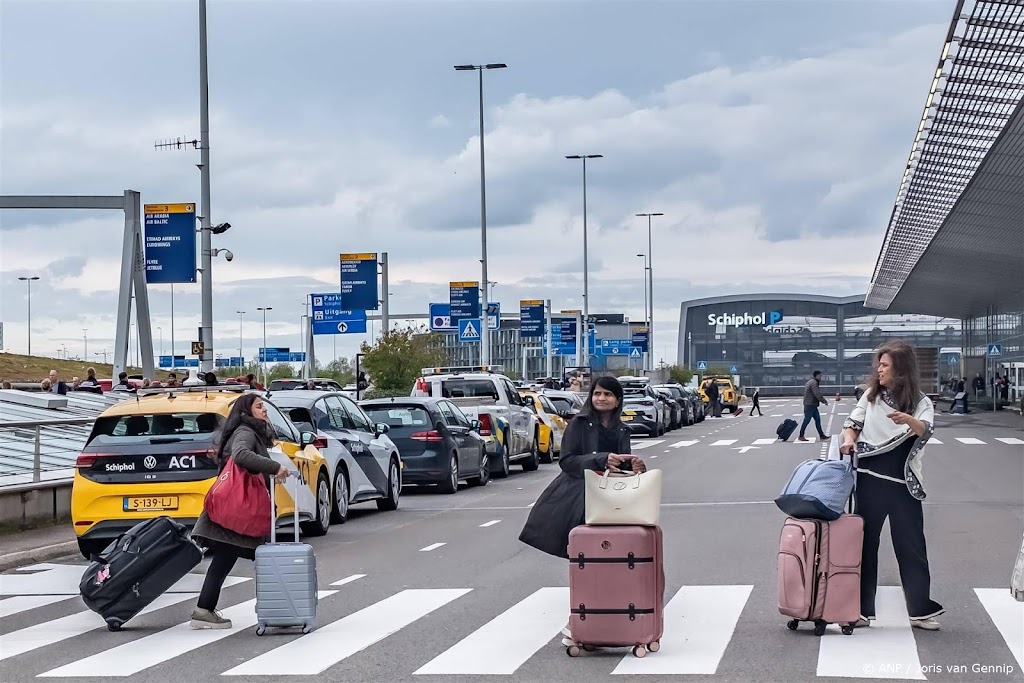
(775, 341)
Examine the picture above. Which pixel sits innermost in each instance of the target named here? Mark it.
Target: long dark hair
(608, 384)
(241, 414)
(904, 390)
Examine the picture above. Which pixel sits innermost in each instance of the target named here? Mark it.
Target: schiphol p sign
(762, 319)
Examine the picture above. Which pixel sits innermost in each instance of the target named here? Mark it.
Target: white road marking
(156, 648)
(640, 445)
(699, 623)
(432, 546)
(506, 642)
(63, 579)
(764, 442)
(23, 603)
(810, 439)
(531, 504)
(490, 523)
(934, 441)
(970, 441)
(50, 632)
(1011, 441)
(683, 444)
(725, 442)
(1008, 616)
(316, 652)
(886, 649)
(654, 456)
(348, 579)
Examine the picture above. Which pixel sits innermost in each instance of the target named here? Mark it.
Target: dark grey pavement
(482, 606)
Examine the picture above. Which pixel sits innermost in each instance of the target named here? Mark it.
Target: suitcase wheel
(655, 646)
(792, 624)
(114, 625)
(573, 651)
(819, 628)
(639, 651)
(261, 629)
(306, 628)
(848, 630)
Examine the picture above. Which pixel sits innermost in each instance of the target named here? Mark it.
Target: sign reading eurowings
(745, 320)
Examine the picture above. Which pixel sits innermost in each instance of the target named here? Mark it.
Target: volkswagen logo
(149, 462)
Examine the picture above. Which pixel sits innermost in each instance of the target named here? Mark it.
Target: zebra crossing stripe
(51, 632)
(23, 603)
(640, 445)
(886, 649)
(505, 643)
(934, 441)
(725, 442)
(764, 442)
(326, 646)
(1008, 616)
(683, 444)
(138, 655)
(699, 623)
(970, 441)
(1011, 441)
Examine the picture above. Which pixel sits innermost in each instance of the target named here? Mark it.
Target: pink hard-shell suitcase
(616, 588)
(819, 571)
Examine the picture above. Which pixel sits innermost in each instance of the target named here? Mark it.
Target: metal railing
(41, 452)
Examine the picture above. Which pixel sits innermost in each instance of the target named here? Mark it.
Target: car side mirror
(474, 425)
(307, 439)
(528, 400)
(382, 428)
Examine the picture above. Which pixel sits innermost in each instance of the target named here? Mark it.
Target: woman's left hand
(900, 418)
(638, 465)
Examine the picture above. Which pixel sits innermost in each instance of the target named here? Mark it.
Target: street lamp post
(646, 267)
(650, 285)
(85, 338)
(240, 314)
(29, 281)
(263, 361)
(161, 331)
(586, 268)
(485, 335)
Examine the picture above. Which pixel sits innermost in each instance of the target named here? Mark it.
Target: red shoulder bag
(239, 501)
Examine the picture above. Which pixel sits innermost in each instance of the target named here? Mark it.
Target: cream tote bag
(623, 498)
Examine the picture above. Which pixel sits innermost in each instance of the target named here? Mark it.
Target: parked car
(649, 415)
(155, 455)
(567, 403)
(439, 444)
(696, 403)
(686, 407)
(679, 413)
(364, 463)
(554, 423)
(321, 384)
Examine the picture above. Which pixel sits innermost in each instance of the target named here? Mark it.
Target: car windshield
(399, 416)
(465, 388)
(142, 427)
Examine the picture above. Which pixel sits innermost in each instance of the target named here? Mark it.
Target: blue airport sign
(469, 330)
(359, 282)
(616, 347)
(330, 318)
(531, 318)
(566, 346)
(280, 355)
(641, 338)
(733, 370)
(464, 300)
(170, 239)
(441, 319)
(233, 362)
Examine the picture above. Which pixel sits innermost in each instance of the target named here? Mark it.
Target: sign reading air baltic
(761, 320)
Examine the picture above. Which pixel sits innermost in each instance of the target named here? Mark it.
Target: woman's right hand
(614, 460)
(282, 474)
(849, 447)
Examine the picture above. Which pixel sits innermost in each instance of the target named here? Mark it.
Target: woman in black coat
(596, 440)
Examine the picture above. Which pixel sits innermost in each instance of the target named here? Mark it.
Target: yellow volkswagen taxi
(552, 424)
(155, 455)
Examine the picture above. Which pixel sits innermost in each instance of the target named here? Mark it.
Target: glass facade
(1004, 329)
(776, 341)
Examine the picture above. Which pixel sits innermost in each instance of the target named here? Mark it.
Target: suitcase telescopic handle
(273, 508)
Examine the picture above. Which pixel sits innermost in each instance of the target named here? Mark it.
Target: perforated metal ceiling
(955, 242)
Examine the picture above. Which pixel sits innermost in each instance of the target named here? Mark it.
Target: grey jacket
(812, 394)
(250, 452)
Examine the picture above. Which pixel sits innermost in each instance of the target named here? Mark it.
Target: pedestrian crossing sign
(702, 365)
(635, 353)
(469, 330)
(995, 350)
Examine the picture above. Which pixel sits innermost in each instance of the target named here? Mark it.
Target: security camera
(229, 255)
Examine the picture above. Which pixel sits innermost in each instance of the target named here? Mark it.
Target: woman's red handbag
(239, 501)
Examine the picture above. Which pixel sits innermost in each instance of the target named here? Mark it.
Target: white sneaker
(925, 624)
(862, 622)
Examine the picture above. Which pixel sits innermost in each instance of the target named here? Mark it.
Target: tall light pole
(85, 338)
(161, 331)
(485, 334)
(240, 314)
(586, 267)
(206, 331)
(650, 285)
(29, 281)
(263, 362)
(644, 257)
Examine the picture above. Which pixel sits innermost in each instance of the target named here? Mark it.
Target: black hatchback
(438, 443)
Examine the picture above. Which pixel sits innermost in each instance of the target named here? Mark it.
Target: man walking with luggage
(812, 399)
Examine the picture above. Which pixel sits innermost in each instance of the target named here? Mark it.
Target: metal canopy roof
(955, 241)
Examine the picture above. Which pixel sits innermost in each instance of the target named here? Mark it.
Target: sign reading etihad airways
(762, 319)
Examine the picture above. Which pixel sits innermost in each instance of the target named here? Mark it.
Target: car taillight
(649, 403)
(485, 424)
(431, 436)
(86, 460)
(320, 443)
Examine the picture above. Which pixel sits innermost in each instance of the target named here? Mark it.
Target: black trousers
(757, 407)
(876, 500)
(224, 558)
(812, 413)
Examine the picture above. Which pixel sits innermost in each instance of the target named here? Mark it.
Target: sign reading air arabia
(730, 320)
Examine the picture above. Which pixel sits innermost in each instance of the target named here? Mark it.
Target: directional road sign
(359, 282)
(170, 243)
(469, 330)
(330, 318)
(441, 319)
(641, 338)
(616, 347)
(531, 318)
(464, 298)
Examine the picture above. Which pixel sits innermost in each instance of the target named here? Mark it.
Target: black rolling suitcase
(786, 429)
(137, 568)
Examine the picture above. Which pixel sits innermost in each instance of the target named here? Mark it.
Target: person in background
(712, 392)
(45, 385)
(812, 398)
(146, 383)
(251, 380)
(57, 385)
(754, 399)
(122, 383)
(888, 430)
(90, 383)
(172, 379)
(210, 379)
(76, 384)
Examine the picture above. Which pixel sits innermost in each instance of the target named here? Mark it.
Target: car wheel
(532, 462)
(339, 512)
(88, 548)
(548, 455)
(394, 488)
(451, 482)
(505, 465)
(324, 503)
(485, 472)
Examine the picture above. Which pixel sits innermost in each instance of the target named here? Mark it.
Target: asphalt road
(442, 590)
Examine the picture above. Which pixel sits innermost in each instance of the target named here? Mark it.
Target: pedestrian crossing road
(703, 632)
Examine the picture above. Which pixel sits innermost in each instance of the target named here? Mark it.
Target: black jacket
(561, 508)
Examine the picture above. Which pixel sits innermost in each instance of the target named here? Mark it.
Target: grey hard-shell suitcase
(286, 587)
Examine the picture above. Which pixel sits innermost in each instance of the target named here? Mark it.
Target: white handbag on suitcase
(1017, 578)
(623, 499)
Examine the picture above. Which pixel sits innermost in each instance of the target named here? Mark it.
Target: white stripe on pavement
(699, 623)
(348, 579)
(432, 546)
(503, 644)
(490, 523)
(23, 603)
(1011, 441)
(725, 442)
(934, 441)
(810, 439)
(886, 649)
(50, 632)
(1008, 616)
(138, 655)
(640, 445)
(683, 444)
(323, 648)
(970, 441)
(764, 442)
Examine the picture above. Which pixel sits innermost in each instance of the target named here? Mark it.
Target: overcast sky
(771, 134)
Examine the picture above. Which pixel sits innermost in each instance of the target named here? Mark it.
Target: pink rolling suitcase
(616, 588)
(819, 571)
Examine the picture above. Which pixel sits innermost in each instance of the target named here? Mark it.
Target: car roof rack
(462, 370)
(195, 389)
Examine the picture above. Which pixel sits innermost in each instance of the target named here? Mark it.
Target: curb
(47, 552)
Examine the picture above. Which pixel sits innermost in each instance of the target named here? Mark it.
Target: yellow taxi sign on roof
(169, 208)
(358, 257)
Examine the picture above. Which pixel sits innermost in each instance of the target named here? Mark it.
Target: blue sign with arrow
(330, 318)
(616, 347)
